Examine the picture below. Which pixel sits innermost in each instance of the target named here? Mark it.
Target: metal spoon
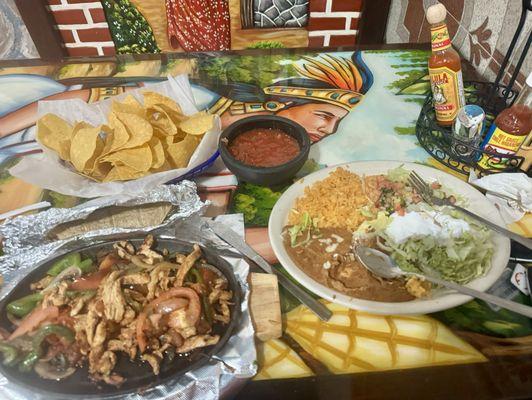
(382, 265)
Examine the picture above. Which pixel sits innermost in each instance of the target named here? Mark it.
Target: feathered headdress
(334, 80)
(344, 81)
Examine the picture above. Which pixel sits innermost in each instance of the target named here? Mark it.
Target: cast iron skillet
(138, 374)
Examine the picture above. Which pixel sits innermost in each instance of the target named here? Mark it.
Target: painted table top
(355, 106)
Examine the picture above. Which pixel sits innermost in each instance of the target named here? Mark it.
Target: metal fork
(426, 192)
(512, 202)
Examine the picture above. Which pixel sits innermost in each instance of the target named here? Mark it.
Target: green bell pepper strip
(204, 299)
(37, 351)
(87, 266)
(194, 273)
(80, 293)
(72, 259)
(23, 306)
(9, 353)
(28, 362)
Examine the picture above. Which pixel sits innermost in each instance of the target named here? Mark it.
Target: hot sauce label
(439, 37)
(501, 142)
(447, 92)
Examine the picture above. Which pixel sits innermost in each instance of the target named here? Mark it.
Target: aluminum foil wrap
(26, 245)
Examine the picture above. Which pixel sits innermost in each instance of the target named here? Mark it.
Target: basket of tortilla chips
(127, 143)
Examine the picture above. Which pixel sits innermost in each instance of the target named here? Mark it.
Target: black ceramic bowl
(267, 176)
(138, 374)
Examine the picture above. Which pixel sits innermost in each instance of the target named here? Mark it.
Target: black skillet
(138, 374)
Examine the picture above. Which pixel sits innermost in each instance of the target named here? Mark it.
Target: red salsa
(264, 147)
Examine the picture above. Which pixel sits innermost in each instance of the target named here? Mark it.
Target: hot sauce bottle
(445, 69)
(509, 130)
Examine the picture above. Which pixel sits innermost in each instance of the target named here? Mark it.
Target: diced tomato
(34, 319)
(91, 281)
(208, 275)
(108, 261)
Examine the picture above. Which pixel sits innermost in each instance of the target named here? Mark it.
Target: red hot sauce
(264, 147)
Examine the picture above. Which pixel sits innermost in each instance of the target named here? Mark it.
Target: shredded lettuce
(365, 211)
(376, 225)
(305, 228)
(398, 174)
(459, 260)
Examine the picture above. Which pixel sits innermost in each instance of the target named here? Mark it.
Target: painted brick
(342, 40)
(347, 5)
(54, 2)
(97, 15)
(82, 1)
(354, 23)
(94, 35)
(318, 5)
(315, 41)
(67, 36)
(109, 51)
(67, 17)
(82, 51)
(323, 24)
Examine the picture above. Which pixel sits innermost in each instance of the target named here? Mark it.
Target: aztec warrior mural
(155, 26)
(334, 96)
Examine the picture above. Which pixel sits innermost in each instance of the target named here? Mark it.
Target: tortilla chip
(152, 98)
(100, 170)
(56, 134)
(129, 105)
(120, 134)
(157, 150)
(198, 123)
(180, 153)
(93, 161)
(175, 115)
(139, 129)
(137, 158)
(159, 119)
(122, 173)
(84, 144)
(165, 167)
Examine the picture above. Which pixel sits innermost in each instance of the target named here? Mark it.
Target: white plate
(476, 202)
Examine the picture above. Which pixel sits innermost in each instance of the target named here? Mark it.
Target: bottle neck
(439, 37)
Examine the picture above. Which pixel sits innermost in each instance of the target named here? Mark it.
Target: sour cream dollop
(420, 224)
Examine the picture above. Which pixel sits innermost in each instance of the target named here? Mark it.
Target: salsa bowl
(268, 176)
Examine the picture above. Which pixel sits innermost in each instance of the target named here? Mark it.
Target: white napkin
(518, 186)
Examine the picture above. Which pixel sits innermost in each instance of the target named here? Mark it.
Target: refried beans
(329, 260)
